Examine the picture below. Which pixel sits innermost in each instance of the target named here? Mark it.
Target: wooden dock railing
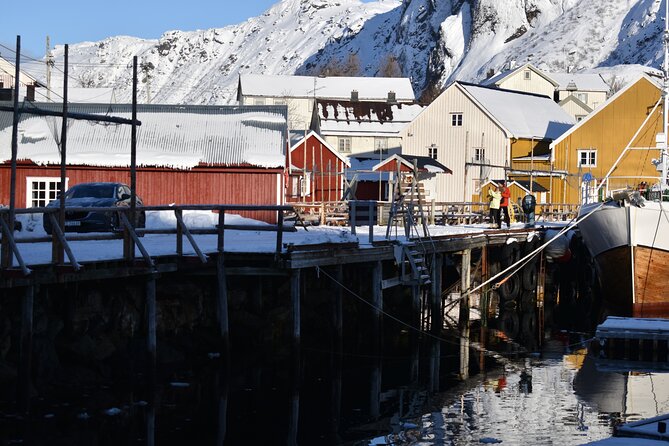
(131, 235)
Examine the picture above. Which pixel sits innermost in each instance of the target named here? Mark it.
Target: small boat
(651, 432)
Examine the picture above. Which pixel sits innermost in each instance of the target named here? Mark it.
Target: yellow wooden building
(585, 153)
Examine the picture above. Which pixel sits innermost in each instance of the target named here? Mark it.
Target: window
(345, 144)
(432, 151)
(280, 101)
(456, 119)
(258, 101)
(41, 190)
(380, 145)
(580, 118)
(587, 158)
(582, 97)
(479, 154)
(527, 75)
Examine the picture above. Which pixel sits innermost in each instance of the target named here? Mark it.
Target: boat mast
(665, 94)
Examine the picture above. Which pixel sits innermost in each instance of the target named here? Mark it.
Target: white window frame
(432, 151)
(258, 101)
(479, 154)
(583, 97)
(527, 75)
(456, 119)
(580, 118)
(344, 144)
(381, 145)
(590, 156)
(280, 101)
(47, 199)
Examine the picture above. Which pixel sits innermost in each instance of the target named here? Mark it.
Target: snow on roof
(368, 88)
(78, 95)
(8, 72)
(599, 109)
(499, 77)
(365, 118)
(362, 169)
(423, 163)
(583, 81)
(524, 115)
(180, 137)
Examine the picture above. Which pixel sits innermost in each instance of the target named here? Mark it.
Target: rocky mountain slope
(431, 41)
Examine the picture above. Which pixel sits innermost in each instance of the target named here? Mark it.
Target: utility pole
(49, 65)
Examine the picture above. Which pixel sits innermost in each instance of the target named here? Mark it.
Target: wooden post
(415, 340)
(370, 212)
(26, 350)
(433, 211)
(337, 355)
(352, 215)
(485, 302)
(222, 286)
(151, 322)
(338, 314)
(129, 242)
(295, 301)
(463, 322)
(6, 251)
(279, 233)
(180, 233)
(377, 339)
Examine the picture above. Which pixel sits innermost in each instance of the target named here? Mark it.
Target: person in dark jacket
(528, 204)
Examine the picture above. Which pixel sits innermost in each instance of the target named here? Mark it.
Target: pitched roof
(577, 101)
(523, 115)
(365, 118)
(8, 72)
(368, 88)
(501, 76)
(598, 110)
(325, 144)
(423, 163)
(582, 81)
(170, 136)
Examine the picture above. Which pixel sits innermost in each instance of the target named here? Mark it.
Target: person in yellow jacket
(495, 197)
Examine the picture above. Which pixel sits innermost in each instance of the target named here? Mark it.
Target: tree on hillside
(390, 67)
(431, 93)
(352, 66)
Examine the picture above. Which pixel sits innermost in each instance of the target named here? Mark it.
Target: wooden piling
(436, 321)
(26, 351)
(377, 339)
(413, 336)
(295, 302)
(463, 321)
(151, 322)
(222, 286)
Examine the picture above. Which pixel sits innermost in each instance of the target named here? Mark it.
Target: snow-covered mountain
(431, 41)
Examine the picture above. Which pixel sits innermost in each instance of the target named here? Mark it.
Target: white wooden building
(300, 93)
(471, 129)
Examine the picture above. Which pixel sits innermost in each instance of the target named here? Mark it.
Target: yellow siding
(608, 131)
(536, 84)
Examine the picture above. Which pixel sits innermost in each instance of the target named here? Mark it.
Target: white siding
(455, 145)
(364, 145)
(536, 84)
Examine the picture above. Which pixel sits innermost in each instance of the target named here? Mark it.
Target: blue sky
(76, 21)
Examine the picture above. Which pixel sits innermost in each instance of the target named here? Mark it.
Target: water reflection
(552, 398)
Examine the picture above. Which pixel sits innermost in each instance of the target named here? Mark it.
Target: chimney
(392, 97)
(354, 96)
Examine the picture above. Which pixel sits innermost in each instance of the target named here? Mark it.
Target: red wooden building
(185, 154)
(316, 171)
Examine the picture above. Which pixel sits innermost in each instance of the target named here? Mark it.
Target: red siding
(392, 167)
(326, 182)
(156, 186)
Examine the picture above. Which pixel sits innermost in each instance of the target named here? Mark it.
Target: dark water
(554, 397)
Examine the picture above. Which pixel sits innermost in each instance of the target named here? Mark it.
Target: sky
(75, 21)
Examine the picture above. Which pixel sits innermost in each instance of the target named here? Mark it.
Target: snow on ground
(237, 241)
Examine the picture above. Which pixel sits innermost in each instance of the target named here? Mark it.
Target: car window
(119, 192)
(126, 190)
(91, 191)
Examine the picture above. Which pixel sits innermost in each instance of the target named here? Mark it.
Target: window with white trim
(41, 190)
(279, 101)
(579, 118)
(432, 151)
(527, 75)
(456, 119)
(587, 158)
(258, 101)
(380, 145)
(582, 97)
(345, 144)
(479, 154)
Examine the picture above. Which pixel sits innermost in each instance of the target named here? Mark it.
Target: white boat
(629, 242)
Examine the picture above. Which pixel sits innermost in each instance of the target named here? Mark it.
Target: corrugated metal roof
(368, 88)
(524, 115)
(175, 136)
(365, 118)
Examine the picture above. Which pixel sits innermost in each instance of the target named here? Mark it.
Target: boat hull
(630, 248)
